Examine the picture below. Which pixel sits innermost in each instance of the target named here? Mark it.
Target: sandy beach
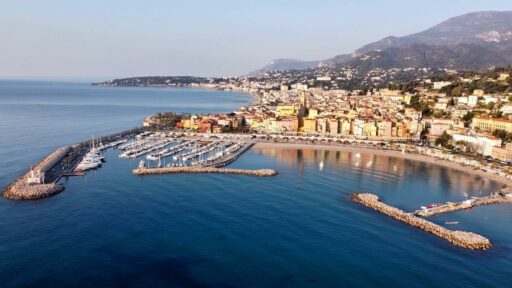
(391, 153)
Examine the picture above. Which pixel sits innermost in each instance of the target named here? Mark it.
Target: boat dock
(467, 204)
(467, 240)
(205, 170)
(231, 157)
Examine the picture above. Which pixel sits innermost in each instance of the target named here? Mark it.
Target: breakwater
(489, 200)
(205, 170)
(29, 192)
(467, 240)
(31, 184)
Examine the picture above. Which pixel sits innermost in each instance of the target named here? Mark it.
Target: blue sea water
(298, 229)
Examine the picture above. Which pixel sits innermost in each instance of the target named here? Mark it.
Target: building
(205, 126)
(437, 126)
(333, 125)
(482, 144)
(503, 77)
(440, 84)
(313, 113)
(482, 123)
(357, 127)
(384, 128)
(479, 92)
(299, 86)
(369, 129)
(472, 100)
(321, 125)
(289, 124)
(309, 125)
(345, 126)
(283, 110)
(503, 154)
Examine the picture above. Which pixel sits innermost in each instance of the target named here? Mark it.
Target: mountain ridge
(484, 37)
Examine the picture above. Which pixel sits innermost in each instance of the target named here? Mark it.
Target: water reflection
(392, 168)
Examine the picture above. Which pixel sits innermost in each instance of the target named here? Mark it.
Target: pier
(467, 240)
(468, 204)
(230, 158)
(205, 170)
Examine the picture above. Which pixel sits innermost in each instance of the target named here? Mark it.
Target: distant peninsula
(146, 81)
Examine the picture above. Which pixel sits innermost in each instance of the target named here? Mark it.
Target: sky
(111, 38)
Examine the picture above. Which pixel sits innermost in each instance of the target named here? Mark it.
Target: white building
(440, 84)
(483, 144)
(472, 100)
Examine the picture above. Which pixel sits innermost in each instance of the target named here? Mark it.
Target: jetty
(467, 240)
(38, 181)
(205, 170)
(498, 198)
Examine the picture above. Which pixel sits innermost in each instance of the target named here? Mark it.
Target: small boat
(452, 223)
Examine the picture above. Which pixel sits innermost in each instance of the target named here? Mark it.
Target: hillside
(471, 41)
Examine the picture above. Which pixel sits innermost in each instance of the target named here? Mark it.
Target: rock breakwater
(467, 240)
(206, 170)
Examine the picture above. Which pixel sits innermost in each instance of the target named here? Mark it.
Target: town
(466, 113)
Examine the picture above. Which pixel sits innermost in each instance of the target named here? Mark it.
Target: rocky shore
(467, 240)
(35, 191)
(206, 170)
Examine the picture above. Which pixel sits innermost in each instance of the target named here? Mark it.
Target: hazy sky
(74, 38)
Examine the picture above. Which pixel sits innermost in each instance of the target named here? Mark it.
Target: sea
(298, 229)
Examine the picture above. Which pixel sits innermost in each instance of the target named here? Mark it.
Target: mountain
(460, 56)
(472, 28)
(471, 41)
(286, 64)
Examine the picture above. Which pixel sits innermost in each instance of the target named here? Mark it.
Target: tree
(457, 91)
(468, 116)
(444, 139)
(505, 137)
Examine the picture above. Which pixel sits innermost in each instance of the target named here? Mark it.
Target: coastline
(253, 96)
(390, 153)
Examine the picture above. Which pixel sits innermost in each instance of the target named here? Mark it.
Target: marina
(158, 153)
